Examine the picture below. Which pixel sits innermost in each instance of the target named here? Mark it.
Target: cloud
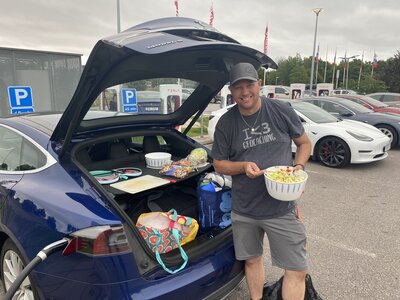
(75, 26)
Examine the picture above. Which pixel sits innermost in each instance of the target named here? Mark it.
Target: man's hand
(252, 170)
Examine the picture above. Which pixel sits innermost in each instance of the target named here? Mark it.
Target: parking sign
(129, 100)
(20, 98)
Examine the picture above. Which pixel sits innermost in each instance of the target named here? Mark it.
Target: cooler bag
(215, 202)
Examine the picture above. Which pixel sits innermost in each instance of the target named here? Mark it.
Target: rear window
(155, 96)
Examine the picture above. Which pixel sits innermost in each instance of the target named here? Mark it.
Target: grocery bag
(165, 231)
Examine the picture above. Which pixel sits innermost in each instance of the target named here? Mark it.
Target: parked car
(335, 143)
(346, 109)
(392, 99)
(372, 103)
(47, 192)
(344, 92)
(280, 91)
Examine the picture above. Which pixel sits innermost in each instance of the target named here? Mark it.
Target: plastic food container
(156, 160)
(285, 191)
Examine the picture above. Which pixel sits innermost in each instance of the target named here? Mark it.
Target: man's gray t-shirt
(269, 145)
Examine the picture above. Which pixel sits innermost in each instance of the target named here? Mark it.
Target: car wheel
(333, 152)
(12, 265)
(390, 132)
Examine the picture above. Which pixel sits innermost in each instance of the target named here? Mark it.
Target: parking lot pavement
(352, 217)
(353, 226)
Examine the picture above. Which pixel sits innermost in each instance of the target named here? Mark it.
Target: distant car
(392, 99)
(372, 103)
(335, 143)
(186, 92)
(281, 91)
(344, 92)
(347, 109)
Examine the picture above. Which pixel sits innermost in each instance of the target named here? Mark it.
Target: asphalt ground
(352, 217)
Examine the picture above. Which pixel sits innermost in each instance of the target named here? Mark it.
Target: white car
(335, 143)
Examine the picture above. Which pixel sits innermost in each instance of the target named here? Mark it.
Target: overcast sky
(75, 26)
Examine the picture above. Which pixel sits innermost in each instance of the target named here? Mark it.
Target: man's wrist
(301, 165)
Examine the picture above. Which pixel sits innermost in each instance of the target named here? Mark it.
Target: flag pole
(334, 67)
(359, 74)
(326, 62)
(316, 68)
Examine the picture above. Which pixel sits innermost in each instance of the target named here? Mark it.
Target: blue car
(342, 108)
(50, 193)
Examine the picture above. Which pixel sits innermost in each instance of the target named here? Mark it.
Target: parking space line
(341, 246)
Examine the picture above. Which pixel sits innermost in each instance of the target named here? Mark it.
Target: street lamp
(118, 18)
(265, 71)
(276, 80)
(347, 63)
(316, 11)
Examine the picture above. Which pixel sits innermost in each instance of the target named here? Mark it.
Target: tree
(370, 85)
(391, 73)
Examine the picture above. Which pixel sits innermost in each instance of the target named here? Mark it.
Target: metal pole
(316, 11)
(276, 80)
(118, 18)
(265, 70)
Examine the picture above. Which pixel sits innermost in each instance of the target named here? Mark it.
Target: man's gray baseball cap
(242, 71)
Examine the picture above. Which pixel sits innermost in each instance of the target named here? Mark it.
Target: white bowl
(285, 191)
(156, 160)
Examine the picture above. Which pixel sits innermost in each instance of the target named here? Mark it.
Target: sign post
(129, 100)
(20, 99)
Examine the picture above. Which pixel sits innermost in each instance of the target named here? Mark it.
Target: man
(252, 136)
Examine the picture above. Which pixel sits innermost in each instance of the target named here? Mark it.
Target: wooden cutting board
(140, 184)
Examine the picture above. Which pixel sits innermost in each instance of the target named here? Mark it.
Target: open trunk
(128, 150)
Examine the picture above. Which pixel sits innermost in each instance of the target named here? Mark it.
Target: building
(33, 80)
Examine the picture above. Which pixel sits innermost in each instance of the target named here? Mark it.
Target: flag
(266, 40)
(375, 61)
(211, 15)
(176, 8)
(316, 56)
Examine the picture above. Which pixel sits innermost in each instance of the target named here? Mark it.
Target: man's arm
(237, 167)
(303, 151)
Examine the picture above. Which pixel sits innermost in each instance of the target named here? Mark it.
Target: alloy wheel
(12, 267)
(333, 153)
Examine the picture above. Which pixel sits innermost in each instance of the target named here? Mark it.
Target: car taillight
(98, 240)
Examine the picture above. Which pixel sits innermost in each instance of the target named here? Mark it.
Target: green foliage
(370, 85)
(298, 70)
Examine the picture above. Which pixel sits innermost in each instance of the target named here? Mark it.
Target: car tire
(333, 152)
(12, 264)
(390, 132)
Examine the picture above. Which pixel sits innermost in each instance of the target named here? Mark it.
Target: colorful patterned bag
(165, 231)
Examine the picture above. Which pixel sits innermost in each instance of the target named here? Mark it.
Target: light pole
(347, 64)
(265, 71)
(316, 11)
(118, 18)
(276, 80)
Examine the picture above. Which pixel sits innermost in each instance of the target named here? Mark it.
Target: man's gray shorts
(286, 235)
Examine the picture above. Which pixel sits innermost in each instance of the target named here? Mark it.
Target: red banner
(176, 8)
(266, 41)
(211, 15)
(375, 61)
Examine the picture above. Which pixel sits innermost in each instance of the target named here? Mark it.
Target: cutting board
(140, 184)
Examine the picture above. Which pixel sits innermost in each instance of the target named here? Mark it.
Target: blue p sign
(128, 96)
(20, 96)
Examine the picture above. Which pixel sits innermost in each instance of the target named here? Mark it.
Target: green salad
(285, 175)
